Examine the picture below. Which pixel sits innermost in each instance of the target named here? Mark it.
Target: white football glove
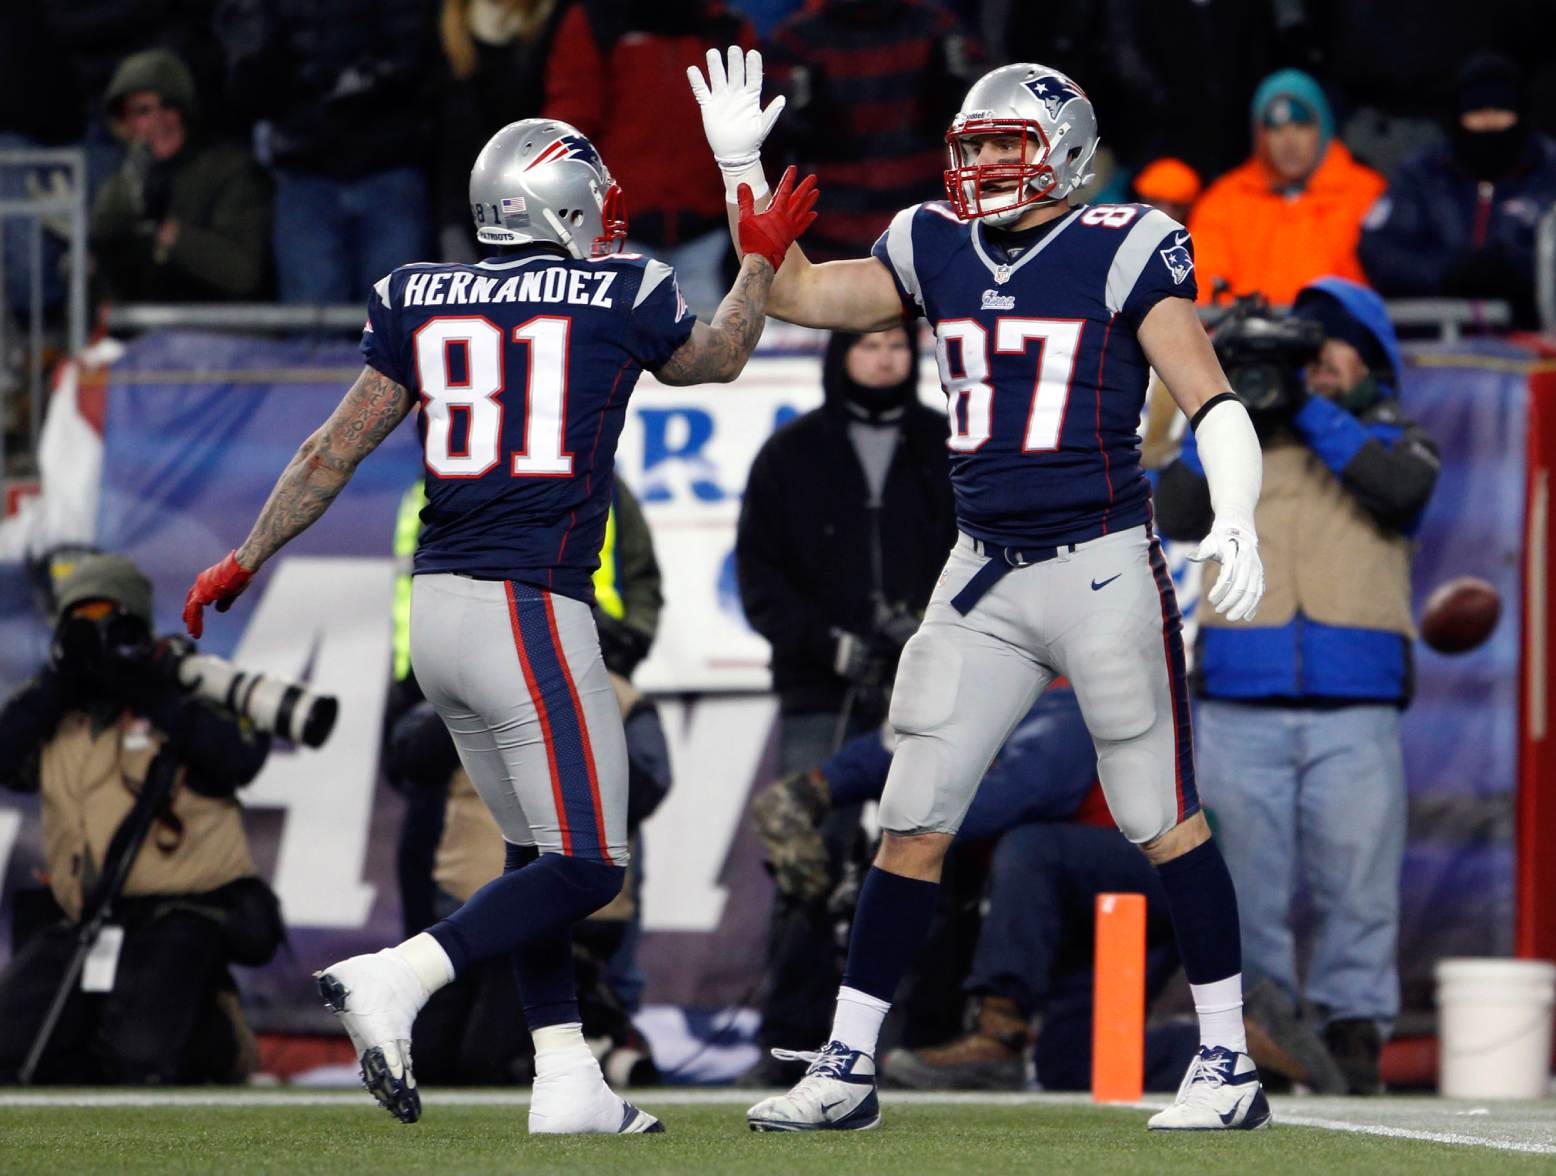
(1240, 585)
(732, 114)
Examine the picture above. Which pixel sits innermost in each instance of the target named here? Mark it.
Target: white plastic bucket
(1494, 1027)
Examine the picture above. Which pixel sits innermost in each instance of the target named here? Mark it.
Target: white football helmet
(1057, 128)
(540, 179)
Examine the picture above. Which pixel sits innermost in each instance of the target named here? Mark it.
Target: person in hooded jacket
(1460, 218)
(845, 524)
(1298, 723)
(187, 217)
(846, 520)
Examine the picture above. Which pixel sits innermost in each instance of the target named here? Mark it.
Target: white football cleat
(377, 998)
(572, 1098)
(836, 1094)
(1220, 1092)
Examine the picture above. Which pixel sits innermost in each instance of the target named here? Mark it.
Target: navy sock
(543, 969)
(1204, 914)
(890, 924)
(529, 914)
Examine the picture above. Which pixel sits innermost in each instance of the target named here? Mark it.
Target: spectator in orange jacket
(1293, 212)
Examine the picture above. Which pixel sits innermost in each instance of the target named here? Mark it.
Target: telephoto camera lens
(272, 703)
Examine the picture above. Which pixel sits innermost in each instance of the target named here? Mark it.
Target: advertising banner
(196, 428)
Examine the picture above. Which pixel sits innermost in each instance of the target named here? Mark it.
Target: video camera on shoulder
(1263, 353)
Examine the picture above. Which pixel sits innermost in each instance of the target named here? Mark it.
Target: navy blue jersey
(1044, 377)
(523, 366)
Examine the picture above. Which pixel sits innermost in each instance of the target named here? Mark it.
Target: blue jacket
(1434, 216)
(1390, 465)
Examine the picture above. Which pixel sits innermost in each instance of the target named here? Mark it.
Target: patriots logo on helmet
(1179, 263)
(567, 147)
(1053, 91)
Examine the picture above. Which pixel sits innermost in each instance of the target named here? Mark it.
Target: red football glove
(769, 233)
(219, 585)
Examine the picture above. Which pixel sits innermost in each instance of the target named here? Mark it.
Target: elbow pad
(1229, 451)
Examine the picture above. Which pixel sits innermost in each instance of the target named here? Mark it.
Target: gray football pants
(1102, 614)
(516, 675)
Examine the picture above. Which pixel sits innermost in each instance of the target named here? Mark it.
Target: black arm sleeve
(1183, 503)
(1393, 483)
(26, 722)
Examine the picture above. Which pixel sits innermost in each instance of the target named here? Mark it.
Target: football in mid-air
(1460, 614)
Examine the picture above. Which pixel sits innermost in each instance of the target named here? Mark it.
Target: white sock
(560, 1047)
(857, 1022)
(1220, 1009)
(428, 960)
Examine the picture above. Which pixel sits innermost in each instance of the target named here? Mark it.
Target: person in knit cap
(83, 734)
(846, 519)
(1459, 218)
(1169, 185)
(1293, 211)
(1299, 755)
(186, 218)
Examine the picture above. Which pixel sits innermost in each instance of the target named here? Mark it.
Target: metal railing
(131, 318)
(55, 202)
(1451, 317)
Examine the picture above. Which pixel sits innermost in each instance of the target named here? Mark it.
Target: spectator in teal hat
(1293, 211)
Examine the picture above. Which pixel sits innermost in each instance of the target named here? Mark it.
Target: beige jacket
(89, 782)
(1323, 554)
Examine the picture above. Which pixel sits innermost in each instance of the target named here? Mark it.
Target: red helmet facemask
(613, 219)
(966, 184)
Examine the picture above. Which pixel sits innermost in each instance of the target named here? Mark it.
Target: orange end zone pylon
(1118, 1015)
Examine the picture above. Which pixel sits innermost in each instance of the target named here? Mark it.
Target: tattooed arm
(717, 353)
(325, 462)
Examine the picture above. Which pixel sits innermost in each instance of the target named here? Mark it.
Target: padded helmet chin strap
(562, 232)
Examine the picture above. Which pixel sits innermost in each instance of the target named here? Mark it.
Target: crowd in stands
(318, 146)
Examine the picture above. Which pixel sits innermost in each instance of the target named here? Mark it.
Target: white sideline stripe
(1453, 1137)
(655, 1097)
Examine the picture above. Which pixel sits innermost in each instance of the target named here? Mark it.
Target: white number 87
(970, 396)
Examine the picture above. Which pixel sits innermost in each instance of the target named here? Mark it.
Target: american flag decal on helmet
(567, 147)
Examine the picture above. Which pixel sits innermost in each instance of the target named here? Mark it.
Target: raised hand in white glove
(732, 114)
(1240, 585)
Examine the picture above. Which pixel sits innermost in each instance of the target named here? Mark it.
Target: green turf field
(336, 1135)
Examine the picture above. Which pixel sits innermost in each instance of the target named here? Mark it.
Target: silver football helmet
(541, 180)
(1057, 129)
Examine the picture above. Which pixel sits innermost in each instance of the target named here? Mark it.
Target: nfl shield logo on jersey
(1179, 264)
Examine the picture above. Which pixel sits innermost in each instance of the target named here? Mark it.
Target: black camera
(1263, 355)
(84, 645)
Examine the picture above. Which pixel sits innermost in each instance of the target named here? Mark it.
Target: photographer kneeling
(1298, 725)
(98, 723)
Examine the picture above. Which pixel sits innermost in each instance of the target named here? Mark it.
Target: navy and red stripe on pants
(516, 674)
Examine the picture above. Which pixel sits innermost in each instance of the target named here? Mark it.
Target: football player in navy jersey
(522, 365)
(1048, 317)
